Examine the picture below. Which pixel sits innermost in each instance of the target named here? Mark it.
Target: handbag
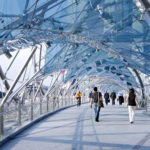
(101, 104)
(100, 101)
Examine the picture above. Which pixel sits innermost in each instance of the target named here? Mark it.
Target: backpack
(95, 97)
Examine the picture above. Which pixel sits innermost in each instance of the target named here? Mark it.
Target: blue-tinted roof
(86, 37)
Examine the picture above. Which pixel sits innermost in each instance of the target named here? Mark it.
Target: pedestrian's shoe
(131, 122)
(96, 120)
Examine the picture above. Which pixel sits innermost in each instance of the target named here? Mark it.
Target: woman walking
(131, 103)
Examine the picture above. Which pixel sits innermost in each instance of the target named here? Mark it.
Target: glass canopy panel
(81, 34)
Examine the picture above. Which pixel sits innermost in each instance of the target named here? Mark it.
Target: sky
(17, 65)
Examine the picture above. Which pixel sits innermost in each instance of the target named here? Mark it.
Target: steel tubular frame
(140, 81)
(45, 102)
(18, 77)
(3, 77)
(10, 90)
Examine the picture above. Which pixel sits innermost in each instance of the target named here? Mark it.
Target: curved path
(75, 129)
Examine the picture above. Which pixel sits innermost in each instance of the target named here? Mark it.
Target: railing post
(1, 122)
(146, 98)
(63, 101)
(19, 113)
(40, 106)
(58, 101)
(31, 109)
(72, 100)
(47, 99)
(53, 104)
(69, 99)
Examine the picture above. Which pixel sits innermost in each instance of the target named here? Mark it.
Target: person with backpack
(131, 103)
(97, 102)
(106, 96)
(113, 97)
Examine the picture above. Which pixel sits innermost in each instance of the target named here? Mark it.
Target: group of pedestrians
(96, 102)
(113, 97)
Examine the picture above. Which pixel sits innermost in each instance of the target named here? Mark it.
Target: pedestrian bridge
(52, 49)
(75, 128)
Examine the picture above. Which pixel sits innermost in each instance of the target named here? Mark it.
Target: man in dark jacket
(106, 96)
(113, 97)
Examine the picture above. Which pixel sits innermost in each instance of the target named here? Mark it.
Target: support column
(140, 81)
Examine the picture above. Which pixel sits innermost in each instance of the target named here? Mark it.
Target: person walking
(113, 97)
(106, 96)
(121, 98)
(97, 102)
(78, 96)
(131, 103)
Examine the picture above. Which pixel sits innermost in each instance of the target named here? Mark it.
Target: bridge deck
(75, 129)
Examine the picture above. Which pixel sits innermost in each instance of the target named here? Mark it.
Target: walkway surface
(75, 129)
